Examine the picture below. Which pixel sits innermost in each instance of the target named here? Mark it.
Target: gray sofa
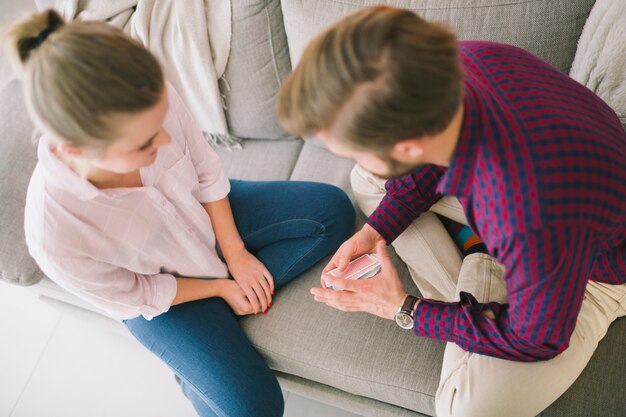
(354, 361)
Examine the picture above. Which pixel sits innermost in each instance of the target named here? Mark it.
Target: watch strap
(409, 304)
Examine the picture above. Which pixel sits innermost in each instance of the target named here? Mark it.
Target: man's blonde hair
(378, 76)
(78, 77)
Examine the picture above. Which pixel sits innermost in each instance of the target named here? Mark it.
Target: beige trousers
(477, 385)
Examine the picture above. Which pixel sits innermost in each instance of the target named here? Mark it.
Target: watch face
(404, 320)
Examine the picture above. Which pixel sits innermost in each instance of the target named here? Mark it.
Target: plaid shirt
(540, 170)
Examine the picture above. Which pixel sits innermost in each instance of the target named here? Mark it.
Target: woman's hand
(232, 293)
(362, 242)
(254, 279)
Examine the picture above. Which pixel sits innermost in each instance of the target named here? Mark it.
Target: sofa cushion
(599, 391)
(357, 353)
(549, 29)
(261, 160)
(259, 60)
(18, 157)
(316, 163)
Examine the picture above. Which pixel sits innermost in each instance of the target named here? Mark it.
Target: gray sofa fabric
(318, 164)
(258, 62)
(261, 160)
(547, 28)
(354, 361)
(17, 161)
(359, 405)
(357, 353)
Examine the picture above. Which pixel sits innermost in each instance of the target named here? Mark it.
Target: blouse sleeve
(120, 293)
(214, 184)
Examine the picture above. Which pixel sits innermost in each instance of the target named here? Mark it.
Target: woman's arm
(226, 232)
(192, 289)
(250, 273)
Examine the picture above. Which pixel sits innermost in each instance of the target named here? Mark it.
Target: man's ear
(69, 150)
(408, 151)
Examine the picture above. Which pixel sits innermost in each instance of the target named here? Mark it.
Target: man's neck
(440, 148)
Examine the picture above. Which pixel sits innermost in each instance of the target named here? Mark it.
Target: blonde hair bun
(24, 38)
(79, 76)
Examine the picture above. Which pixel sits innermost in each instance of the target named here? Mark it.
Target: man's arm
(407, 197)
(547, 272)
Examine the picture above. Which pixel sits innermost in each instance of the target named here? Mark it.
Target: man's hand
(254, 279)
(381, 295)
(362, 242)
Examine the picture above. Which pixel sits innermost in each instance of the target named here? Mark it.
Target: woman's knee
(339, 214)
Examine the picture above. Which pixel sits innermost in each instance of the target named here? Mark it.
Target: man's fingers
(334, 261)
(341, 283)
(332, 264)
(343, 263)
(324, 295)
(347, 308)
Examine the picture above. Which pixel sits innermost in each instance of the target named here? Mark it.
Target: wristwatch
(404, 316)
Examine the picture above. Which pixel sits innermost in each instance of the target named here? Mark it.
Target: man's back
(547, 153)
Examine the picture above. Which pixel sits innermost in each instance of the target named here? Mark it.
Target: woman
(129, 209)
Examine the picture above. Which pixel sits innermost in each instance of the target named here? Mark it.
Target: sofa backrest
(548, 28)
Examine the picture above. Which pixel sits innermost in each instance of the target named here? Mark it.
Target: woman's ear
(69, 150)
(408, 151)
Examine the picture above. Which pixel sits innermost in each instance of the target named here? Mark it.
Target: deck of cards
(363, 267)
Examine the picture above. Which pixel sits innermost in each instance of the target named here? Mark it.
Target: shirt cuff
(165, 287)
(391, 218)
(217, 190)
(435, 319)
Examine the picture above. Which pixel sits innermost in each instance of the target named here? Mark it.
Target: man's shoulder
(502, 61)
(481, 48)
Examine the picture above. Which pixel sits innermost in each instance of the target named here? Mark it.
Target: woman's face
(141, 135)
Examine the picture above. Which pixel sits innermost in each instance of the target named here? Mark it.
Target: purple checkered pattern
(540, 170)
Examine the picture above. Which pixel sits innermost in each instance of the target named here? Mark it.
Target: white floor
(54, 365)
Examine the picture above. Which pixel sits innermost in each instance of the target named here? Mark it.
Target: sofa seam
(271, 43)
(514, 3)
(339, 374)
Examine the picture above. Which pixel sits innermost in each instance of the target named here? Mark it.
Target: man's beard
(395, 169)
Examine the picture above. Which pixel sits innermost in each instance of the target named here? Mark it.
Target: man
(537, 163)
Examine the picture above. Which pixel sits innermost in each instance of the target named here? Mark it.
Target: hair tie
(43, 35)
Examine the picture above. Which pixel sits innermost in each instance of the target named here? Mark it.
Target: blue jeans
(289, 226)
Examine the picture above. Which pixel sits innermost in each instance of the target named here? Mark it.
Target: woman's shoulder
(50, 216)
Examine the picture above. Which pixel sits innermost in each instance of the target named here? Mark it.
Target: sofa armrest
(17, 161)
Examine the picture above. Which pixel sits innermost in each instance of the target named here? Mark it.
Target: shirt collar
(59, 175)
(459, 177)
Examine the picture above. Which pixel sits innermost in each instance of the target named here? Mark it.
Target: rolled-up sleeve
(120, 293)
(406, 199)
(547, 271)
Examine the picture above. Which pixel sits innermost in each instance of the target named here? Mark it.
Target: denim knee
(339, 213)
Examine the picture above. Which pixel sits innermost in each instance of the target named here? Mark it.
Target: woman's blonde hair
(78, 77)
